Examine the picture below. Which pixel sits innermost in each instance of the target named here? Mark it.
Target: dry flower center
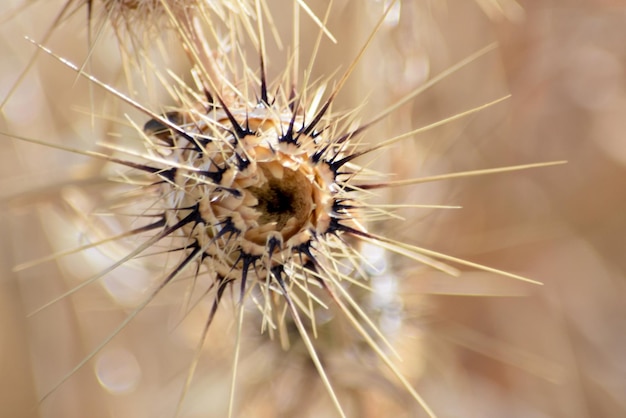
(284, 202)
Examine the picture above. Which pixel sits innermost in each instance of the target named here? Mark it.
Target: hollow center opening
(284, 202)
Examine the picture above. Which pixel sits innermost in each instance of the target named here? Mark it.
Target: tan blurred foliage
(510, 349)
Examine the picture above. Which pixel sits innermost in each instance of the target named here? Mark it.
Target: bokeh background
(478, 345)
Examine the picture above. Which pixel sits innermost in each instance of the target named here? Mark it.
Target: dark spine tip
(242, 163)
(272, 245)
(238, 130)
(264, 98)
(289, 136)
(247, 261)
(317, 119)
(210, 101)
(317, 156)
(215, 176)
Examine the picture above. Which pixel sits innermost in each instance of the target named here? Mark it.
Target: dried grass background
(511, 350)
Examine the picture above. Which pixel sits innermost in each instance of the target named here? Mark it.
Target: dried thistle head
(145, 19)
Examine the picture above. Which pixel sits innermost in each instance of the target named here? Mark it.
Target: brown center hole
(283, 199)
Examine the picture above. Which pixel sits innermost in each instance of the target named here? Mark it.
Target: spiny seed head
(254, 182)
(146, 20)
(134, 11)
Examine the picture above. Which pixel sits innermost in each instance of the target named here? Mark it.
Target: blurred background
(475, 346)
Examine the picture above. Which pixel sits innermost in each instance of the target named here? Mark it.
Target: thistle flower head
(256, 188)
